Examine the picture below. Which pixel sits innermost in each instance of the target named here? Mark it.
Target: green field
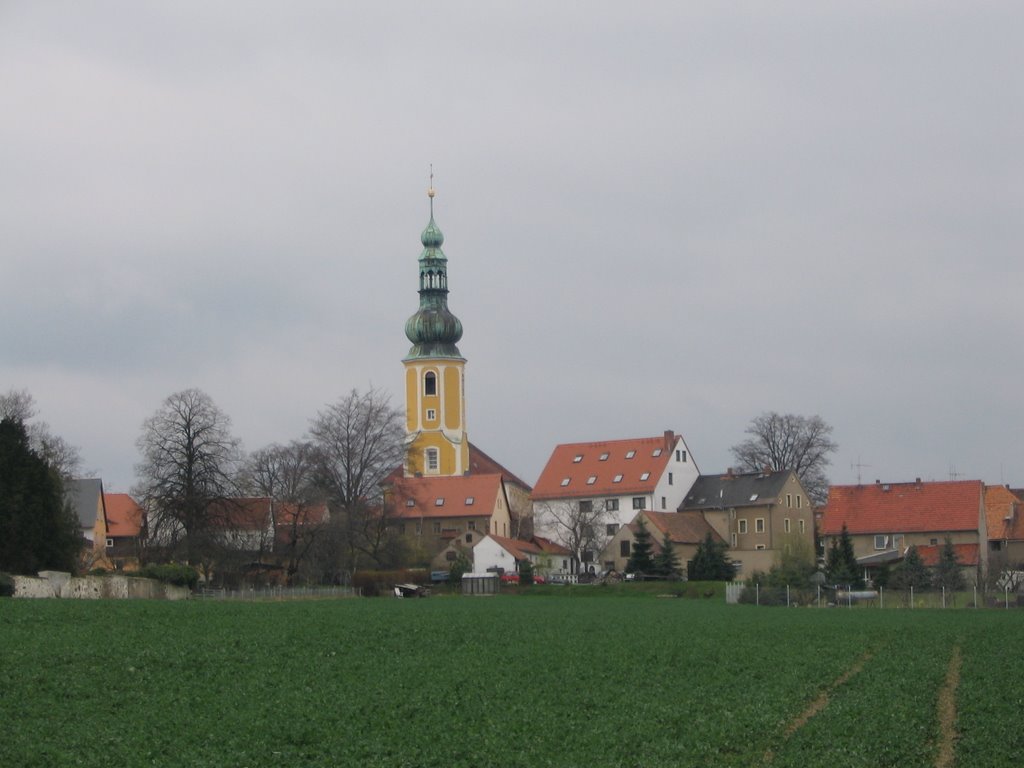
(505, 681)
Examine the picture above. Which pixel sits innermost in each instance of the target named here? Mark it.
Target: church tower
(435, 404)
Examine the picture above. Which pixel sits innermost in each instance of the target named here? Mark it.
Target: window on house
(624, 548)
(684, 455)
(656, 452)
(881, 541)
(430, 383)
(588, 556)
(759, 546)
(638, 502)
(799, 501)
(450, 556)
(753, 497)
(663, 502)
(645, 476)
(437, 527)
(611, 529)
(785, 525)
(592, 479)
(469, 538)
(432, 459)
(110, 543)
(565, 565)
(586, 506)
(670, 478)
(789, 500)
(471, 525)
(419, 529)
(617, 479)
(603, 457)
(565, 481)
(577, 458)
(612, 505)
(933, 542)
(470, 500)
(439, 501)
(431, 414)
(742, 525)
(630, 454)
(733, 537)
(803, 526)
(759, 525)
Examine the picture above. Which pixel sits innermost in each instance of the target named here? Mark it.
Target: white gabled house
(494, 553)
(615, 479)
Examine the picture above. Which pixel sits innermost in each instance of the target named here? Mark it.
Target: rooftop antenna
(953, 474)
(859, 467)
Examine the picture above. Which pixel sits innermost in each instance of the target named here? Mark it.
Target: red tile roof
(569, 471)
(463, 496)
(1003, 512)
(966, 554)
(550, 547)
(518, 548)
(903, 507)
(682, 527)
(479, 464)
(124, 515)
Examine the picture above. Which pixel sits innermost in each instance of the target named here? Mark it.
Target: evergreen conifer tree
(666, 562)
(912, 572)
(525, 572)
(640, 560)
(841, 564)
(947, 572)
(711, 562)
(39, 529)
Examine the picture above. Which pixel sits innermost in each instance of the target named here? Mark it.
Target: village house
(685, 530)
(125, 523)
(757, 514)
(1004, 513)
(609, 482)
(500, 554)
(884, 519)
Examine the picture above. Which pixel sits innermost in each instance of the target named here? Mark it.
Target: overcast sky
(656, 216)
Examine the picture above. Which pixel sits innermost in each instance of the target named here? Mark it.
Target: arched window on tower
(430, 383)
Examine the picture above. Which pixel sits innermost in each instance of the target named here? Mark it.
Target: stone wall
(66, 586)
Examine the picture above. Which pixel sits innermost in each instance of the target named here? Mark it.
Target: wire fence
(279, 593)
(829, 597)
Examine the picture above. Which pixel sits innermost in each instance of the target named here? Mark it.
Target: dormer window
(617, 479)
(439, 501)
(592, 479)
(577, 458)
(469, 502)
(645, 476)
(630, 454)
(565, 481)
(430, 383)
(656, 452)
(603, 457)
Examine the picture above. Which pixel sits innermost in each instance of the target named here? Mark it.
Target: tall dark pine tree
(640, 560)
(666, 562)
(912, 572)
(947, 572)
(711, 562)
(38, 531)
(841, 563)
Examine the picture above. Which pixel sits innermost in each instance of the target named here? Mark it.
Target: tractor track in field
(946, 757)
(817, 705)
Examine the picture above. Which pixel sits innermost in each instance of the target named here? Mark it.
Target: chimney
(670, 439)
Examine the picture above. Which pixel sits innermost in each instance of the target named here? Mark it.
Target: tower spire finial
(430, 191)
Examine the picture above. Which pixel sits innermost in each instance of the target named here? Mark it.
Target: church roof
(459, 496)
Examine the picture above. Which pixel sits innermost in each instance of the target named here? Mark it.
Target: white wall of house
(487, 553)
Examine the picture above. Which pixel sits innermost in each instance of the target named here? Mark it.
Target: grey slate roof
(735, 490)
(84, 496)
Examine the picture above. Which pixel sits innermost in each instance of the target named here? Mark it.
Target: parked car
(510, 578)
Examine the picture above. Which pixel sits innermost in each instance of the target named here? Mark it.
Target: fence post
(943, 595)
(881, 598)
(787, 595)
(819, 595)
(911, 596)
(1006, 590)
(757, 593)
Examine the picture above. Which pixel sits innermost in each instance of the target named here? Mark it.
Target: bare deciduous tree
(788, 441)
(359, 441)
(19, 405)
(187, 475)
(579, 525)
(286, 474)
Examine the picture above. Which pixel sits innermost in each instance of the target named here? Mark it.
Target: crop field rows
(506, 682)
